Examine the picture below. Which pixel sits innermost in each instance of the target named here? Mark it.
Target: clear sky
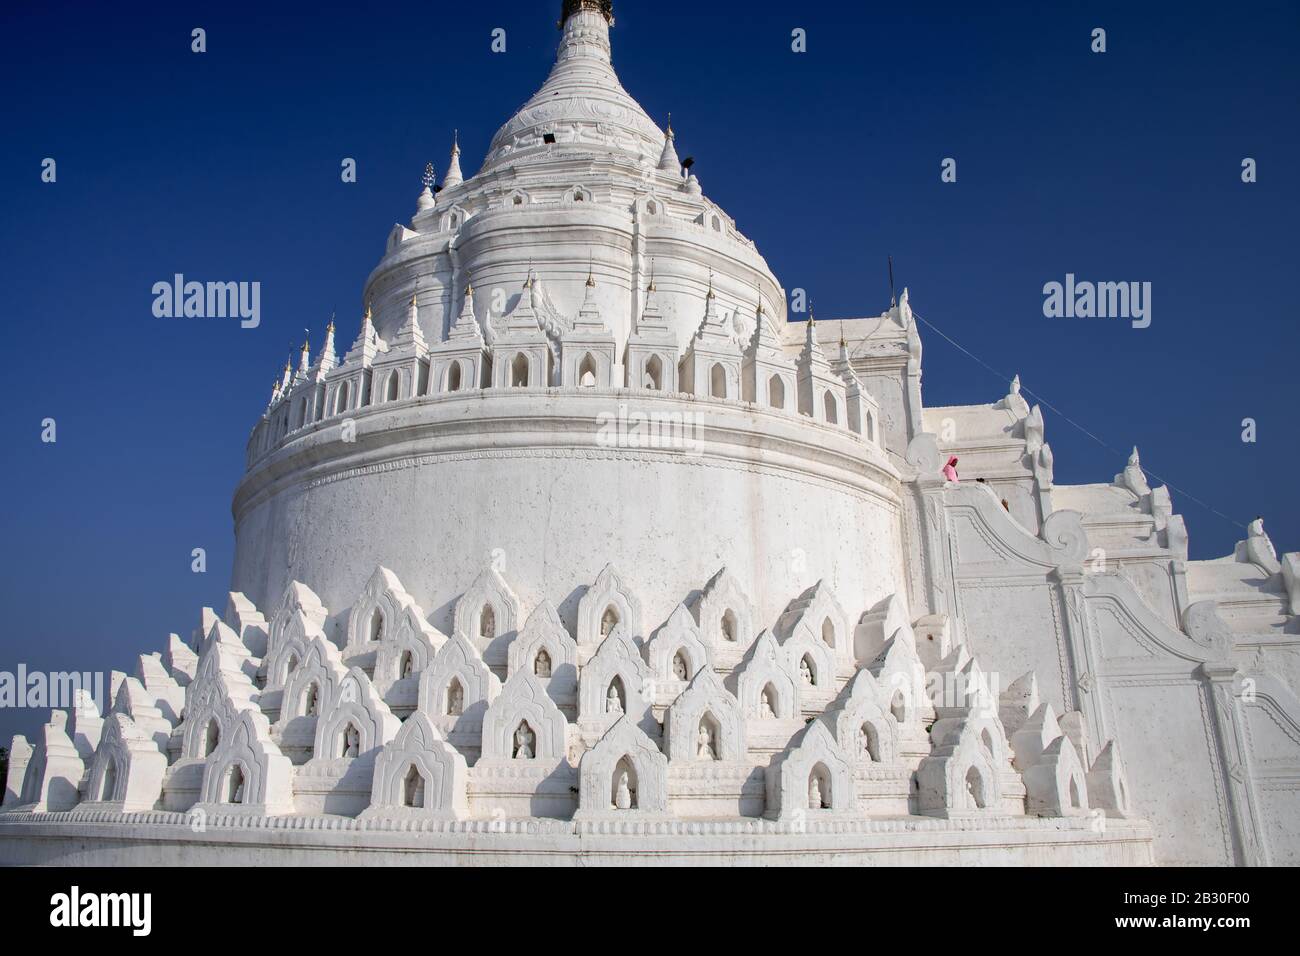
(1119, 166)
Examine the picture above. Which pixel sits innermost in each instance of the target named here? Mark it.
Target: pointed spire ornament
(812, 351)
(410, 334)
(304, 357)
(589, 319)
(328, 359)
(466, 326)
(368, 343)
(668, 161)
(766, 342)
(523, 317)
(1133, 477)
(426, 200)
(454, 176)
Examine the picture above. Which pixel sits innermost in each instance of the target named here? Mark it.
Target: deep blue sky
(1121, 166)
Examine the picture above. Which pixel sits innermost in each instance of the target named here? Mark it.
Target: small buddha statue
(542, 666)
(455, 700)
(612, 704)
(415, 790)
(623, 793)
(351, 742)
(524, 742)
(406, 665)
(704, 742)
(815, 801)
(765, 707)
(679, 667)
(805, 672)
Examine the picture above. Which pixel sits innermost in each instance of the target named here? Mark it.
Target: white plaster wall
(438, 488)
(1173, 773)
(1012, 629)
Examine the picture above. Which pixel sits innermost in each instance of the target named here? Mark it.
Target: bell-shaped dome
(581, 105)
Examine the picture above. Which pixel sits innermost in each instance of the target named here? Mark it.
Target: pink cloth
(950, 470)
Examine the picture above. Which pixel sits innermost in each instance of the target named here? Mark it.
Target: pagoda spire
(426, 200)
(766, 342)
(304, 356)
(523, 317)
(410, 332)
(589, 319)
(368, 343)
(328, 359)
(668, 161)
(604, 7)
(652, 320)
(454, 176)
(466, 326)
(812, 350)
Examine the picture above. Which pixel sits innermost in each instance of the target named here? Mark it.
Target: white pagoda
(583, 552)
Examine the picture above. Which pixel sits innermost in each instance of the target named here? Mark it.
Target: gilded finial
(651, 287)
(710, 295)
(591, 273)
(329, 329)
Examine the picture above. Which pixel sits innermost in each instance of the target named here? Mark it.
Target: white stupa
(581, 551)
